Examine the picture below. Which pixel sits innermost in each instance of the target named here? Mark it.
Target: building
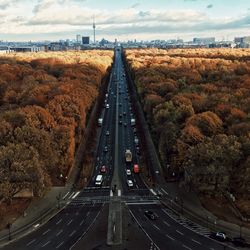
(79, 38)
(242, 42)
(204, 41)
(85, 40)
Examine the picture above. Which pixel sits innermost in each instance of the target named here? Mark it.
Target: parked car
(150, 214)
(107, 132)
(105, 149)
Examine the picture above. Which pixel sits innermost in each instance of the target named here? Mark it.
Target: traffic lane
(44, 236)
(156, 236)
(173, 230)
(181, 232)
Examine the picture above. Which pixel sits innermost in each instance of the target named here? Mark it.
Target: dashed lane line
(47, 243)
(31, 242)
(59, 245)
(179, 232)
(196, 241)
(46, 232)
(59, 232)
(171, 238)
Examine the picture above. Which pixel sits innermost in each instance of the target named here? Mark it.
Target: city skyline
(142, 20)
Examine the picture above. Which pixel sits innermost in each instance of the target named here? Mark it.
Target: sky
(36, 20)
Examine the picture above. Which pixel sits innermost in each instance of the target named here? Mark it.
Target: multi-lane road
(167, 231)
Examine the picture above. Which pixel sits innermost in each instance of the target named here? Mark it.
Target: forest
(197, 105)
(44, 100)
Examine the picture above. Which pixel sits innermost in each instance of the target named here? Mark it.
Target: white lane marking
(46, 232)
(69, 222)
(187, 247)
(58, 221)
(46, 243)
(77, 193)
(65, 195)
(142, 203)
(156, 227)
(59, 244)
(37, 225)
(71, 195)
(72, 233)
(169, 237)
(163, 190)
(31, 242)
(59, 232)
(87, 214)
(179, 232)
(196, 241)
(166, 223)
(81, 222)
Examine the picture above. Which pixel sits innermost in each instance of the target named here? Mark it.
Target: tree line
(197, 105)
(44, 99)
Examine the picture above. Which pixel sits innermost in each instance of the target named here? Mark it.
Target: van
(98, 180)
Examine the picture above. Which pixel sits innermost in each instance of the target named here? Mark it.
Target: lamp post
(9, 227)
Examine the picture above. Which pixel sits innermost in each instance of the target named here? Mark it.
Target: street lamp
(9, 227)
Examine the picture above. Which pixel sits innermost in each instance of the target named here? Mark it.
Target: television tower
(94, 27)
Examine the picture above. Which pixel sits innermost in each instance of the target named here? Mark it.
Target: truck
(100, 120)
(132, 121)
(98, 180)
(128, 155)
(136, 169)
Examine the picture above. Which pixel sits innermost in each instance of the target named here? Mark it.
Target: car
(107, 132)
(105, 149)
(220, 236)
(120, 115)
(130, 183)
(120, 122)
(239, 242)
(134, 130)
(124, 113)
(103, 169)
(123, 75)
(120, 104)
(107, 106)
(125, 124)
(128, 172)
(136, 140)
(150, 214)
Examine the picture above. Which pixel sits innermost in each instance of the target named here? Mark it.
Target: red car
(103, 169)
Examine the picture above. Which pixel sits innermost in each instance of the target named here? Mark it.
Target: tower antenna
(94, 26)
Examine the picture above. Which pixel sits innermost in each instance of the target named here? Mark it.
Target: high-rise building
(243, 42)
(78, 38)
(85, 40)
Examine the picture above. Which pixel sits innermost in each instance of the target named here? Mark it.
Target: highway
(85, 207)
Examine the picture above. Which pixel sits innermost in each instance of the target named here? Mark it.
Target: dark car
(150, 214)
(239, 242)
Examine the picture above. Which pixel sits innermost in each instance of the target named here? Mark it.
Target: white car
(130, 183)
(128, 171)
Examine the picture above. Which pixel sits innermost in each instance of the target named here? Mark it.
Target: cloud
(209, 6)
(135, 5)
